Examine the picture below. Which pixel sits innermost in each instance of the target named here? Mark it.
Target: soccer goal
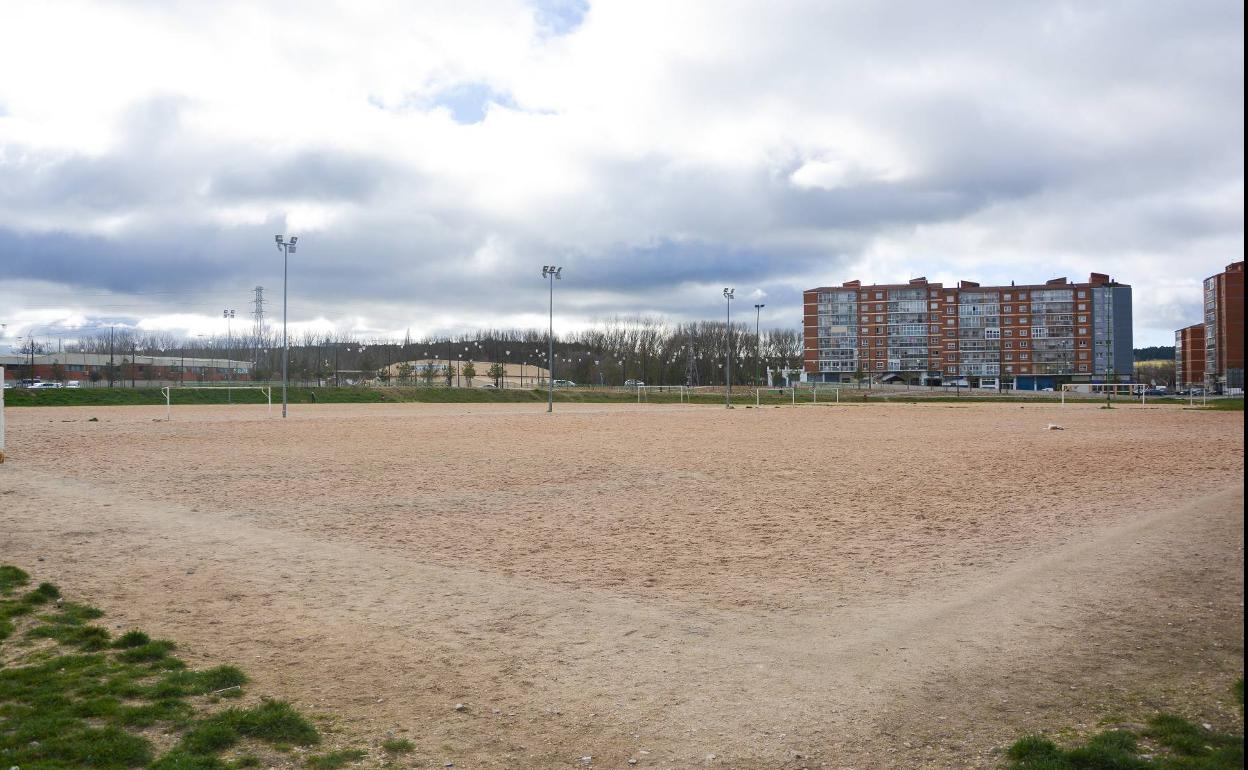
(644, 391)
(168, 394)
(1128, 389)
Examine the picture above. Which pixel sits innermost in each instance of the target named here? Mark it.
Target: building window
(1009, 356)
(1009, 369)
(948, 298)
(1022, 295)
(948, 322)
(1022, 332)
(1009, 332)
(1007, 297)
(879, 364)
(1009, 345)
(934, 306)
(1083, 331)
(1023, 344)
(1083, 295)
(1024, 357)
(950, 333)
(1082, 306)
(1083, 319)
(1083, 367)
(879, 295)
(951, 345)
(951, 369)
(1009, 308)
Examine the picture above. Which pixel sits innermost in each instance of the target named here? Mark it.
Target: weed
(45, 593)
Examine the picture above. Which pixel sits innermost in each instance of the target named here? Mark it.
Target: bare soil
(852, 586)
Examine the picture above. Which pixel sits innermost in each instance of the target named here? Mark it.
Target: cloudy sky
(432, 156)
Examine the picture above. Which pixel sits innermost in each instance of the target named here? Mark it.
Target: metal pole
(550, 341)
(728, 352)
(285, 339)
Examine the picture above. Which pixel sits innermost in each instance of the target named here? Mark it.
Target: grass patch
(397, 746)
(335, 759)
(85, 702)
(11, 578)
(1168, 742)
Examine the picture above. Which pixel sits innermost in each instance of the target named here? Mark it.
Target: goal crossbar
(168, 394)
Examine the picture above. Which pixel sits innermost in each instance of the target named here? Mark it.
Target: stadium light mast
(551, 273)
(758, 343)
(728, 295)
(228, 315)
(287, 248)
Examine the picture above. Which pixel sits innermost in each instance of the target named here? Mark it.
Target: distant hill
(1155, 353)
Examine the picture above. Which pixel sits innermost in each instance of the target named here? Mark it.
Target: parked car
(565, 384)
(1155, 392)
(633, 383)
(46, 385)
(73, 384)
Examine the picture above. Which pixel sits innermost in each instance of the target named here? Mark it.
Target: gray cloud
(1104, 137)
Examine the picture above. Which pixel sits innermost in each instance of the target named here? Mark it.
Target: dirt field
(857, 586)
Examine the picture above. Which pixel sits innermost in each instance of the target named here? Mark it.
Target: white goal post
(644, 391)
(1129, 389)
(169, 391)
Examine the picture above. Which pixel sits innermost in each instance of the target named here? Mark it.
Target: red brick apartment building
(1189, 356)
(1224, 328)
(1029, 336)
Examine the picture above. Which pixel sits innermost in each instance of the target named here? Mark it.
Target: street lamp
(552, 273)
(287, 248)
(728, 295)
(758, 344)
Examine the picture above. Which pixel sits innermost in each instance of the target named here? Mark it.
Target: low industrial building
(88, 369)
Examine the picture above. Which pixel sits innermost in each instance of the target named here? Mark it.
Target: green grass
(742, 396)
(397, 746)
(335, 759)
(1168, 742)
(86, 701)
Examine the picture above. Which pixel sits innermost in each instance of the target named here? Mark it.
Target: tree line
(648, 349)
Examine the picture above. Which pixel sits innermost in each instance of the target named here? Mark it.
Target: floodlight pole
(728, 294)
(286, 247)
(551, 273)
(758, 343)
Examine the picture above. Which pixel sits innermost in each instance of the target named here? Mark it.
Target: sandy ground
(852, 586)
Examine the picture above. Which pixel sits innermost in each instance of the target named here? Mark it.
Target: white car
(633, 383)
(565, 384)
(46, 385)
(73, 384)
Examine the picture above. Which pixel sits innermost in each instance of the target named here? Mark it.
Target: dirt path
(391, 633)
